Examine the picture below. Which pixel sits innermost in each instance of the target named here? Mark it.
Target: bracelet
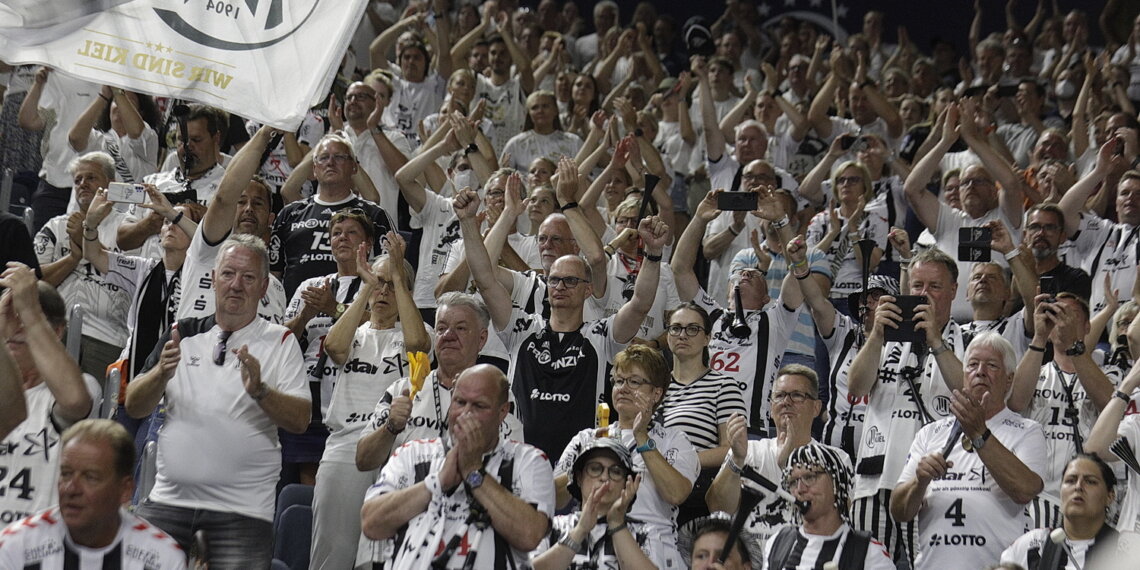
(392, 430)
(1040, 349)
(569, 542)
(1013, 253)
(801, 277)
(569, 206)
(780, 223)
(616, 529)
(730, 461)
(1122, 396)
(734, 232)
(936, 351)
(651, 257)
(796, 264)
(178, 218)
(470, 149)
(261, 393)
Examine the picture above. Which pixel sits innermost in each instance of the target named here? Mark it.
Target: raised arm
(589, 244)
(522, 63)
(925, 204)
(628, 320)
(685, 254)
(1072, 203)
(1107, 425)
(382, 45)
(498, 299)
(58, 370)
(219, 218)
(81, 131)
(416, 338)
(13, 407)
(714, 139)
(29, 116)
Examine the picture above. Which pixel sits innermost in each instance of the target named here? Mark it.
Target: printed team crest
(238, 25)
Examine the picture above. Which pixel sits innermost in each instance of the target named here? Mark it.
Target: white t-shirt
(754, 360)
(411, 102)
(893, 415)
(218, 449)
(376, 360)
(440, 230)
(529, 145)
(506, 107)
(197, 284)
(31, 454)
(966, 519)
(43, 542)
(383, 177)
(1034, 542)
(1106, 249)
(619, 290)
(429, 532)
(62, 101)
(772, 511)
(135, 158)
(659, 517)
(104, 303)
(949, 222)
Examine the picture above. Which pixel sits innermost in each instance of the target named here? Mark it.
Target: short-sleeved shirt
(623, 272)
(598, 548)
(659, 517)
(301, 244)
(506, 107)
(43, 541)
(751, 361)
(894, 414)
(445, 518)
(557, 378)
(950, 221)
(440, 230)
(529, 145)
(411, 102)
(1104, 249)
(198, 299)
(803, 336)
(966, 518)
(848, 275)
(699, 407)
(382, 177)
(210, 415)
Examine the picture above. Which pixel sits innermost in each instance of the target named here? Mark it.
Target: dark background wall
(925, 20)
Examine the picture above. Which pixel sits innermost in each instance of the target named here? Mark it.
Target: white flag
(267, 60)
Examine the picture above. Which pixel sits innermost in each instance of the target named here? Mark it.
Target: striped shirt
(698, 408)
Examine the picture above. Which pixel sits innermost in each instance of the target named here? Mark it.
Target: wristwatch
(1077, 349)
(340, 309)
(474, 479)
(650, 445)
(976, 444)
(570, 543)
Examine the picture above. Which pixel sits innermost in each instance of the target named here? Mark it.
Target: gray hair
(409, 271)
(335, 138)
(995, 341)
(98, 158)
(750, 124)
(247, 241)
(460, 299)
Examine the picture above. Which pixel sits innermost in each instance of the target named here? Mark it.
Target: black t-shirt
(1069, 280)
(301, 248)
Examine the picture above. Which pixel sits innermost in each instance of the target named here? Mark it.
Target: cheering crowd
(532, 290)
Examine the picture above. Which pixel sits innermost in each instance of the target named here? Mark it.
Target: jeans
(233, 541)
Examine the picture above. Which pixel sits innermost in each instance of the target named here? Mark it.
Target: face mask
(1066, 89)
(464, 179)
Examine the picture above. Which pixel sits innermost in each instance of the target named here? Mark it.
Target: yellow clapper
(420, 368)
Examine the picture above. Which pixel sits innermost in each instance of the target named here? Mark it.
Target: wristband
(936, 351)
(730, 461)
(569, 542)
(801, 277)
(616, 529)
(569, 206)
(1012, 254)
(262, 392)
(782, 222)
(651, 257)
(1122, 396)
(176, 219)
(1036, 348)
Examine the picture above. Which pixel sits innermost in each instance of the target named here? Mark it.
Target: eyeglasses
(565, 282)
(844, 180)
(1051, 228)
(327, 158)
(633, 382)
(689, 330)
(496, 194)
(615, 472)
(795, 397)
(808, 479)
(552, 240)
(220, 348)
(750, 273)
(969, 182)
(361, 96)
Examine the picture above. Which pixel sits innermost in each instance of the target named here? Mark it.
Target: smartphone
(1119, 146)
(846, 141)
(126, 193)
(976, 91)
(974, 244)
(1048, 286)
(906, 332)
(1007, 90)
(737, 201)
